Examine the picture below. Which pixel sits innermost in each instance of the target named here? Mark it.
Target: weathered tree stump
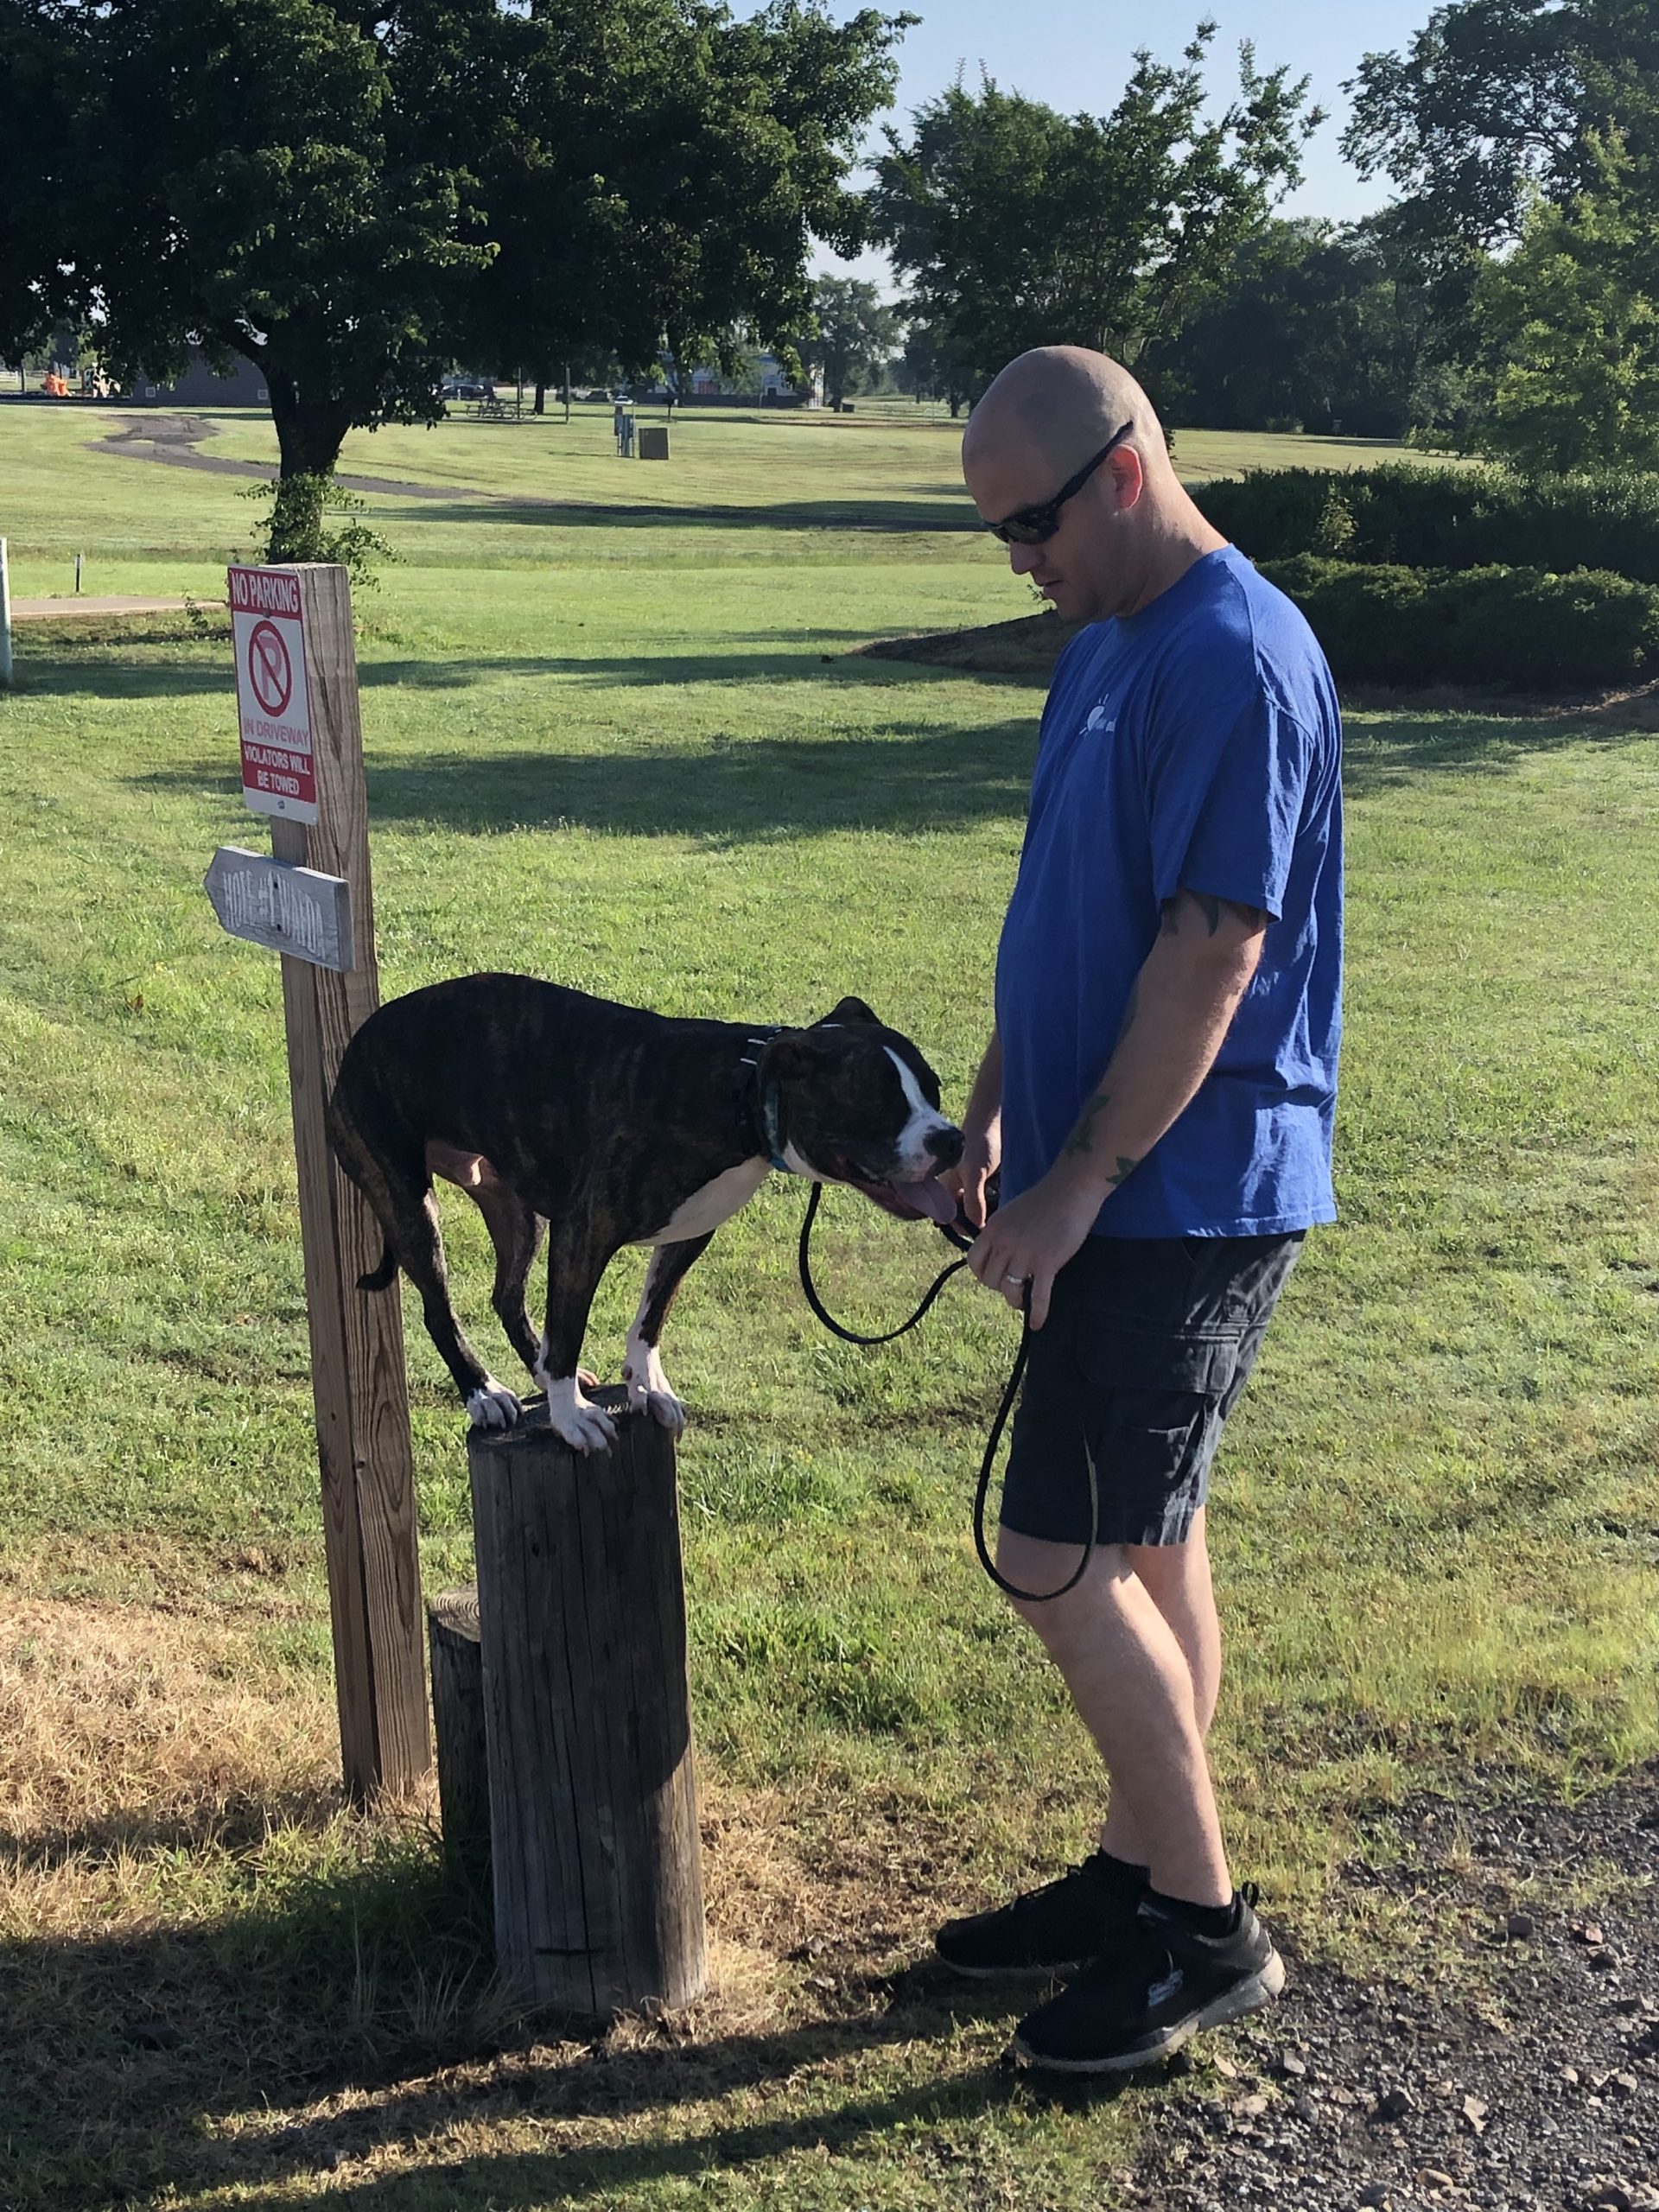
(593, 1798)
(452, 1636)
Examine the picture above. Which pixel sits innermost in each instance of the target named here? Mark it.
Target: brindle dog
(592, 1126)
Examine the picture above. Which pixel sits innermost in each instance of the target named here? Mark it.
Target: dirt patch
(177, 439)
(1027, 646)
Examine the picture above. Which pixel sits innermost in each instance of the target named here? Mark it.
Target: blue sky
(1077, 54)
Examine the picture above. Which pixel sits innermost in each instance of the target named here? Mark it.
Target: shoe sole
(1246, 1996)
(1014, 1973)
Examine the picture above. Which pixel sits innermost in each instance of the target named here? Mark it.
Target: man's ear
(843, 1016)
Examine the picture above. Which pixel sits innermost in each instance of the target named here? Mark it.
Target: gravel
(1517, 2067)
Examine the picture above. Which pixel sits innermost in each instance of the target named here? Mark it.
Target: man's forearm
(1179, 1012)
(985, 1099)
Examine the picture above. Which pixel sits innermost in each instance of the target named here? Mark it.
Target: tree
(1573, 314)
(1495, 101)
(931, 369)
(277, 179)
(855, 338)
(1311, 324)
(668, 168)
(1019, 226)
(325, 186)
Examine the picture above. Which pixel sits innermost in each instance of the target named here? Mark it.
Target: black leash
(960, 1233)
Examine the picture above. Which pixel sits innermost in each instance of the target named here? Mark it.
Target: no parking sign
(268, 631)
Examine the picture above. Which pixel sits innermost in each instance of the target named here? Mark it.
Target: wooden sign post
(302, 763)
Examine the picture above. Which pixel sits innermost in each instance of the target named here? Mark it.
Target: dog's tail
(380, 1278)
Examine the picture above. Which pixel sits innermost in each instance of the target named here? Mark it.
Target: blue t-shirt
(1195, 746)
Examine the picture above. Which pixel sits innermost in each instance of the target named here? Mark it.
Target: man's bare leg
(1137, 1692)
(1177, 1579)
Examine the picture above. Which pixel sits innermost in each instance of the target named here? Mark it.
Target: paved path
(60, 610)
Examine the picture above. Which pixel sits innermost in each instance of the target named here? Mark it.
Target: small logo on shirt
(1098, 721)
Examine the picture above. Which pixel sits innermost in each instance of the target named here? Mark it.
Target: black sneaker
(1140, 2004)
(1054, 1929)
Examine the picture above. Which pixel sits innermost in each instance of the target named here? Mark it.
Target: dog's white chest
(715, 1202)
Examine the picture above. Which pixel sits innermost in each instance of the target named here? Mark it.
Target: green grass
(626, 747)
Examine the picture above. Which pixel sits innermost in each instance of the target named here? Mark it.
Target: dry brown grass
(126, 1730)
(214, 1975)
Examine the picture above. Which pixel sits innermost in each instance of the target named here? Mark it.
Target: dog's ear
(794, 1054)
(843, 1016)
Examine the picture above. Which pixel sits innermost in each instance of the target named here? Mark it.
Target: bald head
(1058, 404)
(1128, 530)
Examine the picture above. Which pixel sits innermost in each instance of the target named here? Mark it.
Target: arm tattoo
(1082, 1139)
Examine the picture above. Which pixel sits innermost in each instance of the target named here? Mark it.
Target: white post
(5, 617)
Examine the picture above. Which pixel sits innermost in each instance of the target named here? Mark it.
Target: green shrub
(295, 527)
(1444, 518)
(1520, 629)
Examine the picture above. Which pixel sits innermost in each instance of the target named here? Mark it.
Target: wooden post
(593, 1796)
(357, 1336)
(458, 1724)
(5, 617)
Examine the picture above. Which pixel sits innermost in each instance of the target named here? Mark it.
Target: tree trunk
(540, 406)
(310, 432)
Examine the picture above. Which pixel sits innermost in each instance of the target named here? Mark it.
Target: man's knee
(1037, 1568)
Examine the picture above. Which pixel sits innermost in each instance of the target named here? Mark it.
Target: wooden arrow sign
(283, 907)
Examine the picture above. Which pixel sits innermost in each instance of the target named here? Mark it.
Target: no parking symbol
(268, 628)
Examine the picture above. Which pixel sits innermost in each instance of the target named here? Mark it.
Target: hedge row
(1443, 517)
(1520, 629)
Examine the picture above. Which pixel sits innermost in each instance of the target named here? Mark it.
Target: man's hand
(1029, 1239)
(981, 1155)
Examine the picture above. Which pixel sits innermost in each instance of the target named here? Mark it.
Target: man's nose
(1022, 559)
(945, 1145)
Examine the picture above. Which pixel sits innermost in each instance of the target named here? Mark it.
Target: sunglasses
(1036, 526)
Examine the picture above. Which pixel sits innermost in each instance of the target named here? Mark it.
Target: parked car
(466, 387)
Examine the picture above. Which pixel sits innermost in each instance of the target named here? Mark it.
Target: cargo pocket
(1153, 1411)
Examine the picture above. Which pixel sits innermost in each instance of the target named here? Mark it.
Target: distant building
(775, 388)
(201, 387)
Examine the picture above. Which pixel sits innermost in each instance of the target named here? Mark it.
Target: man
(1158, 1094)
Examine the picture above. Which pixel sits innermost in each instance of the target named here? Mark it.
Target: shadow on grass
(876, 516)
(1385, 751)
(102, 671)
(146, 2062)
(744, 790)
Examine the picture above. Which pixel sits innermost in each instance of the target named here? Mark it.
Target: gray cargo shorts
(1148, 1347)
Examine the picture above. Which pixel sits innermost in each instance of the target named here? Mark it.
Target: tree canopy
(1310, 325)
(856, 336)
(351, 196)
(1571, 317)
(1019, 226)
(1495, 100)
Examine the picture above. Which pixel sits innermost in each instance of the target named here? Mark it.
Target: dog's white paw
(665, 1408)
(492, 1405)
(649, 1391)
(575, 1420)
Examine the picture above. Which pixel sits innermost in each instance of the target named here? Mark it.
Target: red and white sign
(268, 629)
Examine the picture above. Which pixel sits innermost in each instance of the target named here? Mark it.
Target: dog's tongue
(931, 1199)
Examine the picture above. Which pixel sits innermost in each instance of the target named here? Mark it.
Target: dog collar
(758, 1110)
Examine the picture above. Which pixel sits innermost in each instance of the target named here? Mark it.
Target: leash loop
(963, 1239)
